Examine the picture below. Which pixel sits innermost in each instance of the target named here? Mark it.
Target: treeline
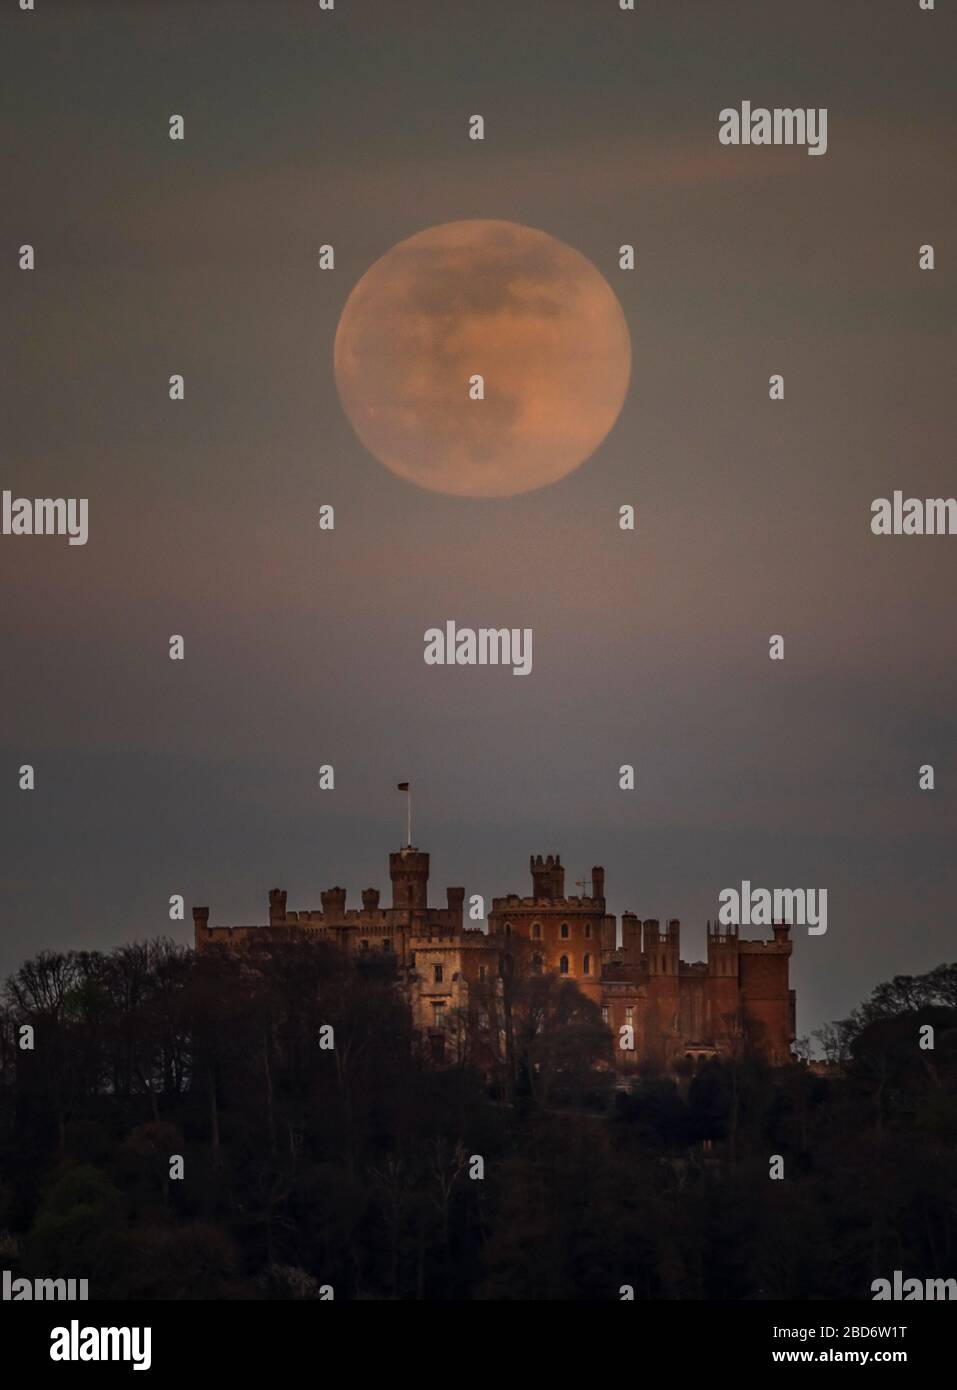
(362, 1167)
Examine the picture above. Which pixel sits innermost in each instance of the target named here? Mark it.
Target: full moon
(530, 316)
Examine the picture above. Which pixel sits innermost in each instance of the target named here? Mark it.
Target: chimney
(631, 936)
(598, 883)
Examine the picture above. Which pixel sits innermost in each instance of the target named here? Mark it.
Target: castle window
(604, 1013)
(411, 892)
(508, 928)
(563, 965)
(482, 972)
(437, 974)
(536, 964)
(629, 1015)
(364, 945)
(588, 929)
(586, 965)
(563, 931)
(412, 959)
(438, 1012)
(536, 931)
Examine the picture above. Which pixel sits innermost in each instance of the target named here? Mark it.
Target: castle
(647, 994)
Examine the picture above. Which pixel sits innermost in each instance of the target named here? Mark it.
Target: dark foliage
(353, 1166)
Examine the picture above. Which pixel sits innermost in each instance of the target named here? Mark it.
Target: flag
(403, 787)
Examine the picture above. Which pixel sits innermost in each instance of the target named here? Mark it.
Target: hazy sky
(302, 647)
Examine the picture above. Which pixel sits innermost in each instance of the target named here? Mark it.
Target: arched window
(508, 928)
(536, 931)
(563, 965)
(588, 930)
(586, 965)
(563, 931)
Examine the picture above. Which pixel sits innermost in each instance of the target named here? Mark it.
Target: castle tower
(455, 897)
(334, 904)
(631, 938)
(764, 994)
(277, 907)
(723, 999)
(723, 951)
(661, 948)
(662, 1019)
(409, 872)
(548, 877)
(200, 927)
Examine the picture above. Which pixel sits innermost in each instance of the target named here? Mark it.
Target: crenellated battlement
(765, 948)
(512, 900)
(643, 983)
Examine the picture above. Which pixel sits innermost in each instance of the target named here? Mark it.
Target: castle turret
(661, 948)
(334, 904)
(409, 872)
(370, 899)
(722, 984)
(548, 877)
(277, 907)
(200, 926)
(456, 901)
(631, 938)
(765, 999)
(722, 950)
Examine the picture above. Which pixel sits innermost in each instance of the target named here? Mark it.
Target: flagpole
(407, 788)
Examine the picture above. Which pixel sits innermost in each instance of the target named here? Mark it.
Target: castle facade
(656, 1005)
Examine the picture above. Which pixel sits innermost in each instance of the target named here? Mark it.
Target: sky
(305, 647)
